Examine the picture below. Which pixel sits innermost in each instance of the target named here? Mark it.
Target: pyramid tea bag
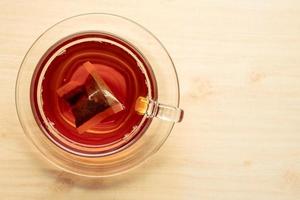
(91, 100)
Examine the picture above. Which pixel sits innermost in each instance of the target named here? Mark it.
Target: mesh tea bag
(90, 100)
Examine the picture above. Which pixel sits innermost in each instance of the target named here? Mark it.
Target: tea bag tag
(141, 105)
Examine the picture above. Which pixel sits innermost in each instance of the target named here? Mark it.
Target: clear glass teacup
(64, 74)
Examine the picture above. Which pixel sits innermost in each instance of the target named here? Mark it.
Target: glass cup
(164, 110)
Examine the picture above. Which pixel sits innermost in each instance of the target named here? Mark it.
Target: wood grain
(239, 68)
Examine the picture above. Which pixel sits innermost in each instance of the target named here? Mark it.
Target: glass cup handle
(152, 108)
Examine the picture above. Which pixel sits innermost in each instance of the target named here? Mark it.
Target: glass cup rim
(86, 36)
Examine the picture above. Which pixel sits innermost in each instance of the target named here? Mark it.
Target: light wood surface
(239, 68)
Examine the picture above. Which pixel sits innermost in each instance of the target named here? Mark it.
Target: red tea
(121, 67)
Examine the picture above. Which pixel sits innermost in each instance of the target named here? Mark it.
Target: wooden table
(239, 69)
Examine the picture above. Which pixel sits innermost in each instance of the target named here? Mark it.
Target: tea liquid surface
(122, 68)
